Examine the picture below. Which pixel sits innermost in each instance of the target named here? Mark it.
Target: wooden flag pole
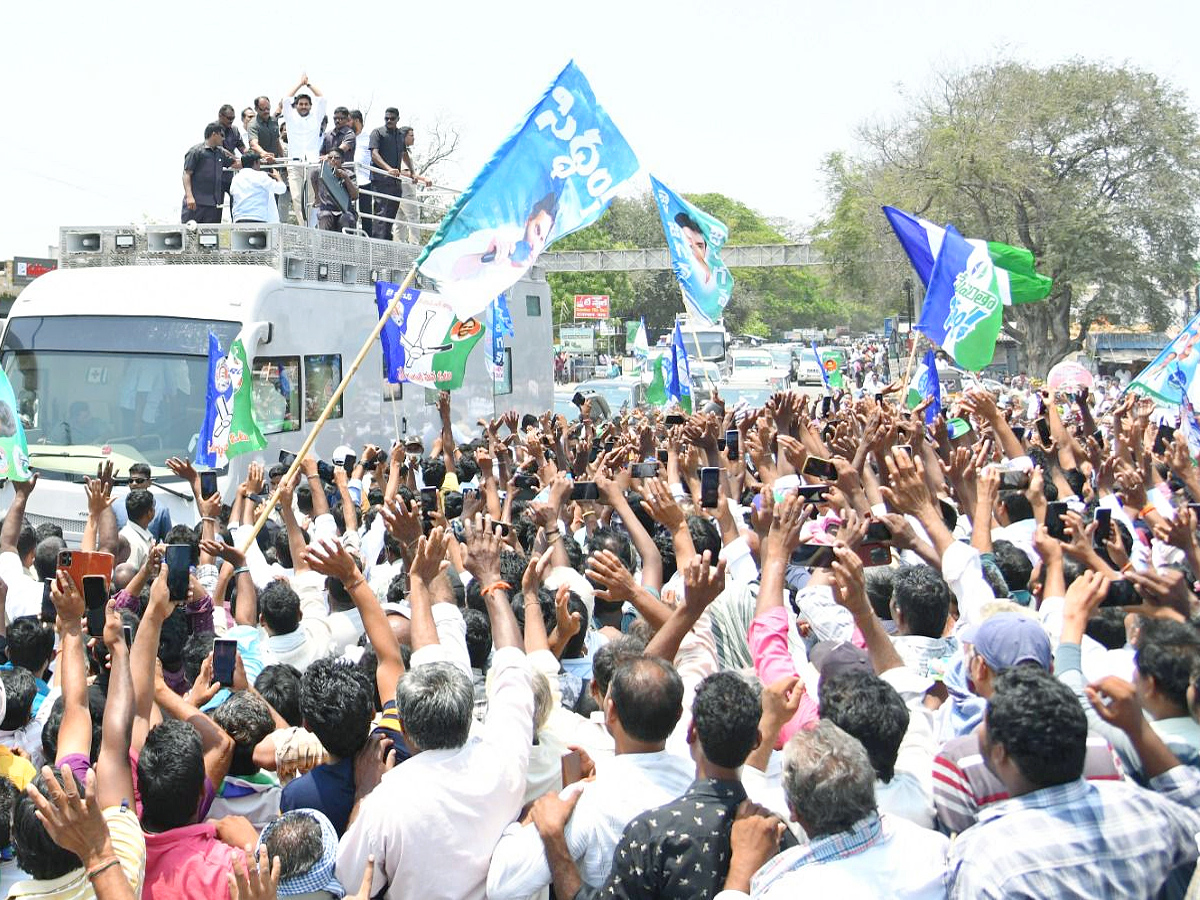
(337, 395)
(912, 358)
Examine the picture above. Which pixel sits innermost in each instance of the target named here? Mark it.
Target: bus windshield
(708, 345)
(125, 388)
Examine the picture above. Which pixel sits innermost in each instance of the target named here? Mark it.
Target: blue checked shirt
(1081, 839)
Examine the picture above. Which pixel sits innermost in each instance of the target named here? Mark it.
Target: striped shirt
(1108, 839)
(963, 784)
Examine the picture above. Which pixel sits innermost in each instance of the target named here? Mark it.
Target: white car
(756, 366)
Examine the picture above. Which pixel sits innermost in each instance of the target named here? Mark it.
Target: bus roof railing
(300, 254)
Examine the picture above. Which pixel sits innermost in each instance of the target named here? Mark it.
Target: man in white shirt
(303, 115)
(139, 507)
(362, 167)
(645, 700)
(431, 821)
(254, 192)
(18, 543)
(853, 849)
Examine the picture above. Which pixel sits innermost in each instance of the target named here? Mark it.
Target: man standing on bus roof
(388, 152)
(254, 192)
(263, 131)
(341, 137)
(203, 178)
(302, 114)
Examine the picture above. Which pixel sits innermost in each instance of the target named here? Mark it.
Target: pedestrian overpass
(644, 259)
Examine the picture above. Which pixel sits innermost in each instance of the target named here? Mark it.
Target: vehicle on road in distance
(622, 394)
(756, 365)
(753, 395)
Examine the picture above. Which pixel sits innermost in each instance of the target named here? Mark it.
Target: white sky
(743, 97)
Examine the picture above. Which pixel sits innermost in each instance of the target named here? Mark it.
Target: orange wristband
(498, 585)
(1146, 510)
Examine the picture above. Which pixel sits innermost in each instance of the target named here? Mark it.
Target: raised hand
(429, 557)
(331, 558)
(851, 583)
(661, 505)
(604, 568)
(403, 520)
(483, 548)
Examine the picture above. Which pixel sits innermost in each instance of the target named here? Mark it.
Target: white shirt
(24, 593)
(139, 540)
(430, 821)
(908, 862)
(362, 158)
(252, 192)
(304, 132)
(625, 786)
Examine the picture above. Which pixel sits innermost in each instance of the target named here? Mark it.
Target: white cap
(340, 454)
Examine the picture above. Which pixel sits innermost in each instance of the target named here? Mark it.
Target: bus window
(322, 375)
(277, 393)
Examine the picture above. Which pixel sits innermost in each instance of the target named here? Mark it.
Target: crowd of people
(334, 176)
(805, 649)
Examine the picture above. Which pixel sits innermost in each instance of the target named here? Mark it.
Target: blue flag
(1183, 353)
(423, 341)
(502, 327)
(1187, 413)
(929, 386)
(679, 387)
(694, 239)
(820, 364)
(556, 173)
(920, 238)
(229, 428)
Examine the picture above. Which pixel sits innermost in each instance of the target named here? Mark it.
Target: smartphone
(813, 493)
(348, 462)
(585, 490)
(675, 419)
(208, 484)
(1014, 480)
(720, 445)
(877, 533)
(572, 767)
(1166, 434)
(874, 554)
(80, 563)
(504, 527)
(286, 458)
(710, 487)
(1019, 432)
(1099, 436)
(178, 558)
(1103, 524)
(127, 631)
(879, 398)
(644, 469)
(1054, 520)
(826, 405)
(525, 480)
(49, 613)
(1043, 429)
(662, 455)
(905, 449)
(429, 500)
(325, 471)
(609, 444)
(816, 467)
(731, 444)
(95, 598)
(813, 556)
(224, 657)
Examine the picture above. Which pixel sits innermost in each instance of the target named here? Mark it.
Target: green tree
(1094, 168)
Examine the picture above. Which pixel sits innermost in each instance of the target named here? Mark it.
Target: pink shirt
(187, 862)
(768, 639)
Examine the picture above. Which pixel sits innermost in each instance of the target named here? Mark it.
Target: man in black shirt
(341, 137)
(232, 144)
(388, 152)
(681, 849)
(204, 178)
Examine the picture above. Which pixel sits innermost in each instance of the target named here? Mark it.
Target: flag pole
(912, 358)
(329, 407)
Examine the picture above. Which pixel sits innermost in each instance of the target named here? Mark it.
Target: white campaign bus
(108, 355)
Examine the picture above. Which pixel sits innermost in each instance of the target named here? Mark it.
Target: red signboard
(25, 269)
(591, 306)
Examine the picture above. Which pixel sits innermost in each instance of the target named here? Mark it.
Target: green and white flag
(14, 449)
(656, 391)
